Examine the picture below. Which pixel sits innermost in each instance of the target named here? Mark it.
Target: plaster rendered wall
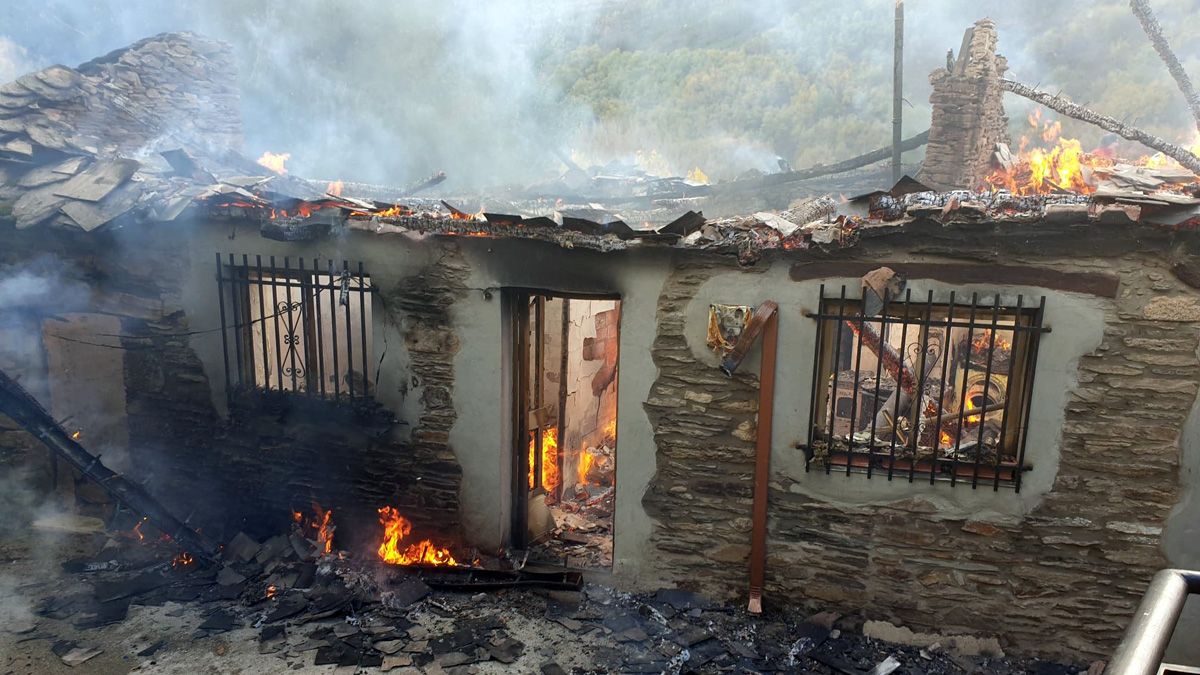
(1116, 383)
(478, 438)
(1071, 553)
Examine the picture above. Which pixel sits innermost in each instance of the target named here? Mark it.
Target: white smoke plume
(391, 91)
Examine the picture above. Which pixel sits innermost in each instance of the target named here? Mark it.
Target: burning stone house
(994, 436)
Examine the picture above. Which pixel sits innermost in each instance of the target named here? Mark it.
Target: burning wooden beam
(1145, 16)
(18, 404)
(1073, 110)
(886, 353)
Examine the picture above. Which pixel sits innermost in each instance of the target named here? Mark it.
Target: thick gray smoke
(391, 91)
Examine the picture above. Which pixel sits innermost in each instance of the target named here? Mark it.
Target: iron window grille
(924, 391)
(295, 328)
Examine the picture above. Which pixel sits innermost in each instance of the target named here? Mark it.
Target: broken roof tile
(95, 182)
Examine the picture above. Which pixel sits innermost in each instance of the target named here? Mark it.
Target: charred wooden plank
(823, 169)
(23, 409)
(1090, 283)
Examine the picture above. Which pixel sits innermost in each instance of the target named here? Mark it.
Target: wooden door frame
(518, 299)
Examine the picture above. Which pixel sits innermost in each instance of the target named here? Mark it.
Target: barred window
(295, 328)
(924, 391)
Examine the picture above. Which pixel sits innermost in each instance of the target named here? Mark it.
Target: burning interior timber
(815, 420)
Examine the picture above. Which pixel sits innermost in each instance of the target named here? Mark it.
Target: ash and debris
(117, 605)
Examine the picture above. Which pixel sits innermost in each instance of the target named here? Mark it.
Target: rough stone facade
(274, 453)
(704, 431)
(968, 114)
(1074, 565)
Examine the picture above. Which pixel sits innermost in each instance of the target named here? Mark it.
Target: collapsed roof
(152, 131)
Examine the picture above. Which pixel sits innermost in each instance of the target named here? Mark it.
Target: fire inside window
(925, 391)
(295, 326)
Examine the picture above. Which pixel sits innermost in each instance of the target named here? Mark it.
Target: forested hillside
(715, 85)
(393, 90)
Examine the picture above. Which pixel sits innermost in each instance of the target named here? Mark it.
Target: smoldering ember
(868, 416)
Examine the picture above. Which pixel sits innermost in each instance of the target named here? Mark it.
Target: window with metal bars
(294, 327)
(923, 390)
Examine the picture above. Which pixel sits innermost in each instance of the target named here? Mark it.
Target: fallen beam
(461, 578)
(892, 361)
(823, 169)
(1145, 16)
(435, 179)
(19, 405)
(1075, 111)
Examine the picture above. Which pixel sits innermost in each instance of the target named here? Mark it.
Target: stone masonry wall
(275, 453)
(1074, 567)
(703, 425)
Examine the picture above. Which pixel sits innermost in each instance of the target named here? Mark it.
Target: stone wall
(1072, 565)
(703, 423)
(273, 453)
(968, 114)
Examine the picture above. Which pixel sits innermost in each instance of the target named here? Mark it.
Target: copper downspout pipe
(765, 322)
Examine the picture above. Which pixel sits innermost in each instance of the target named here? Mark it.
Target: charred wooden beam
(19, 405)
(1073, 110)
(887, 354)
(1145, 16)
(824, 169)
(420, 186)
(1092, 283)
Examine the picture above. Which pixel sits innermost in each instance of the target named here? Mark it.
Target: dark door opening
(565, 422)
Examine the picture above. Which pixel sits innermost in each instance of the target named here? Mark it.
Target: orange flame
(586, 460)
(395, 528)
(302, 210)
(1042, 171)
(970, 405)
(334, 188)
(137, 529)
(182, 560)
(275, 161)
(324, 526)
(321, 527)
(395, 211)
(550, 477)
(984, 340)
(271, 590)
(76, 435)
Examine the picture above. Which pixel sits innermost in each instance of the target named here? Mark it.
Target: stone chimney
(968, 113)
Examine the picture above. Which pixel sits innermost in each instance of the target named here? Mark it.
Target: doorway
(565, 420)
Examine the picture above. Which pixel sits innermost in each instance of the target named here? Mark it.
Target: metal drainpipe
(765, 321)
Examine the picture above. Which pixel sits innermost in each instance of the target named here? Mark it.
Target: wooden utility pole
(897, 89)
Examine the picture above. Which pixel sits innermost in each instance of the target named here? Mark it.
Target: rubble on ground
(282, 601)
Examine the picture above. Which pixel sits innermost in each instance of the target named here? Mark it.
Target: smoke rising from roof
(390, 91)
